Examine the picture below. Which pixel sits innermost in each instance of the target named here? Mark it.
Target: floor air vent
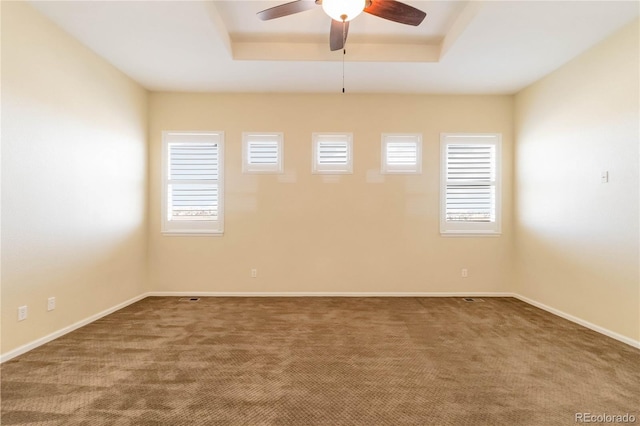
(471, 299)
(189, 299)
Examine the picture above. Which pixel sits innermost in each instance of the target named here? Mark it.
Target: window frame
(449, 228)
(386, 168)
(328, 169)
(276, 168)
(192, 227)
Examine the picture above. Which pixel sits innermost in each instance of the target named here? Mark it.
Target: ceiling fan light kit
(343, 10)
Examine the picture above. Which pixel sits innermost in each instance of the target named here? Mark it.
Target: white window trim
(471, 229)
(386, 168)
(192, 228)
(340, 169)
(262, 168)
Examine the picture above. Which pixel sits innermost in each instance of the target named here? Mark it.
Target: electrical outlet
(22, 313)
(254, 273)
(464, 273)
(51, 303)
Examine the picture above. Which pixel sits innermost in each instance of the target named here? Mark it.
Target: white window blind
(470, 193)
(262, 152)
(332, 153)
(401, 153)
(192, 194)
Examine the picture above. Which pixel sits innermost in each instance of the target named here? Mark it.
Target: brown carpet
(323, 361)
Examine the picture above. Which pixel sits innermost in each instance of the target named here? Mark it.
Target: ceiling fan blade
(286, 9)
(336, 37)
(396, 11)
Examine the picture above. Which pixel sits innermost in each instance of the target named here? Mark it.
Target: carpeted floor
(323, 361)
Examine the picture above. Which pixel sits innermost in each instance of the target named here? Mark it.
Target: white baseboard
(624, 339)
(41, 341)
(324, 294)
(49, 337)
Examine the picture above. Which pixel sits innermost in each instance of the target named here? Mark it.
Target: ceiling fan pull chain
(344, 48)
(344, 52)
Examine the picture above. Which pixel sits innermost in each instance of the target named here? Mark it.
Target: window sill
(191, 234)
(262, 172)
(470, 234)
(332, 172)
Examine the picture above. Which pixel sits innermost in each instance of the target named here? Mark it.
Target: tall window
(470, 184)
(401, 153)
(193, 183)
(332, 153)
(262, 152)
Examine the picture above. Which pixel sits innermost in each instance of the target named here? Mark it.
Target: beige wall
(73, 179)
(577, 238)
(313, 236)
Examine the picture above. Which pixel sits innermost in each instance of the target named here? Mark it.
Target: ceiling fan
(343, 11)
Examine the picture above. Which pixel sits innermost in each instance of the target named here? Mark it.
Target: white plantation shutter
(470, 183)
(332, 153)
(193, 177)
(193, 182)
(262, 152)
(470, 193)
(401, 153)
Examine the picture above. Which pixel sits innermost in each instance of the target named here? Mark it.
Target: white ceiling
(469, 47)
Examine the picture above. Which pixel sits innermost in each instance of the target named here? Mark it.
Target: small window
(332, 153)
(470, 184)
(401, 153)
(262, 152)
(192, 192)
